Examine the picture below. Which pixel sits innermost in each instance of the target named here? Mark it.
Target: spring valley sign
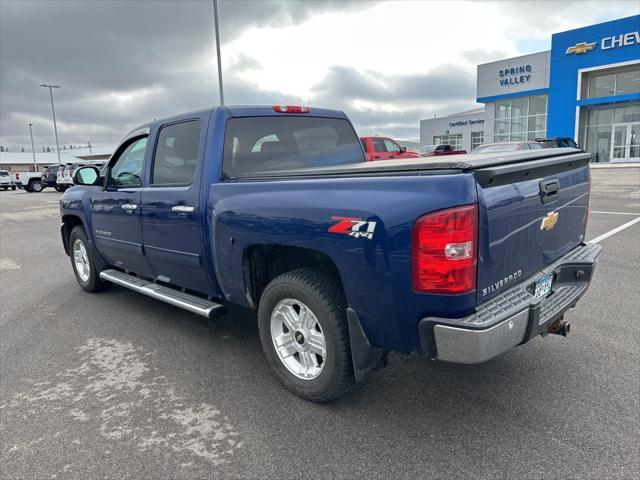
(515, 75)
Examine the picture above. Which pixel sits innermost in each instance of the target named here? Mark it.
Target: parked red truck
(384, 148)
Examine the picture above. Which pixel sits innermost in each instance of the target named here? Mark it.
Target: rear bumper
(514, 317)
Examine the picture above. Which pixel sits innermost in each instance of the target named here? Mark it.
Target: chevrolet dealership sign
(606, 43)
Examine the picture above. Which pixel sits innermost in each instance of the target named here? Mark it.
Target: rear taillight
(291, 109)
(444, 251)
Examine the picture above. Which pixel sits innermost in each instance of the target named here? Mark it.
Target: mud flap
(367, 360)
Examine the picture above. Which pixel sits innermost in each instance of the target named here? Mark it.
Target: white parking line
(616, 213)
(615, 230)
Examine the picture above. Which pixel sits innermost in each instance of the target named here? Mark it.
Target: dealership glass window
(522, 118)
(603, 85)
(477, 139)
(627, 113)
(454, 139)
(611, 82)
(628, 82)
(600, 130)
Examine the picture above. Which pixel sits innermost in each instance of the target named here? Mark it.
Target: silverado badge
(549, 221)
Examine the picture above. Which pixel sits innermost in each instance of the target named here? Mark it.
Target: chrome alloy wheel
(298, 339)
(81, 260)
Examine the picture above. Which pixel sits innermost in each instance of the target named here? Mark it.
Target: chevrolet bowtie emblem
(580, 48)
(549, 221)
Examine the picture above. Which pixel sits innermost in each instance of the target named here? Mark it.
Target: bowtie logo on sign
(581, 48)
(354, 227)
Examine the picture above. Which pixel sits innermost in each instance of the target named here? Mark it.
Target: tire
(320, 294)
(59, 189)
(36, 186)
(5, 188)
(13, 187)
(87, 276)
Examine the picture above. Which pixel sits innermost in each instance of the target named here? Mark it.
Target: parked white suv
(60, 178)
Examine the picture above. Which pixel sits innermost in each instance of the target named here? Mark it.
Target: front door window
(127, 171)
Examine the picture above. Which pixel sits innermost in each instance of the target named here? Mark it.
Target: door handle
(549, 190)
(128, 206)
(182, 209)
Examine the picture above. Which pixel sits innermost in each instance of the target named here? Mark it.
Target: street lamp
(53, 110)
(217, 27)
(33, 148)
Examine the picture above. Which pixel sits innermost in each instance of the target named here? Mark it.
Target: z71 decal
(354, 227)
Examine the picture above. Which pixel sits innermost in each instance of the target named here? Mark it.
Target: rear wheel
(86, 264)
(13, 187)
(303, 330)
(36, 186)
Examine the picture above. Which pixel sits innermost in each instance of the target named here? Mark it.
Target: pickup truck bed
(276, 209)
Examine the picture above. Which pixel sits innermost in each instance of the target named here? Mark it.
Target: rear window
(255, 145)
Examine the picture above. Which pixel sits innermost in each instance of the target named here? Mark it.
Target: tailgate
(531, 213)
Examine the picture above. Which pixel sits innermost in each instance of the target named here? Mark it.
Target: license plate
(543, 286)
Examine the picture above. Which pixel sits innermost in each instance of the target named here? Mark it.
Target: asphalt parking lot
(116, 385)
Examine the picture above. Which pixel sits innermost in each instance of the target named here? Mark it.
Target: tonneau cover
(456, 163)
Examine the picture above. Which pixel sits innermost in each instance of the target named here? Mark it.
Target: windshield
(4, 174)
(507, 147)
(271, 144)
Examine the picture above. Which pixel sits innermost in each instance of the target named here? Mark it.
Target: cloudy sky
(387, 64)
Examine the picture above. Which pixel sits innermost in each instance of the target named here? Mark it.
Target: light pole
(215, 21)
(53, 110)
(33, 148)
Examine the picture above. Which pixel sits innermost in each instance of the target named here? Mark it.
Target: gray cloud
(94, 49)
(103, 51)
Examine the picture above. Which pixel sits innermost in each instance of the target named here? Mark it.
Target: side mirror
(86, 176)
(403, 149)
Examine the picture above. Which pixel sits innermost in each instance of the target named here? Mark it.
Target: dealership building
(586, 87)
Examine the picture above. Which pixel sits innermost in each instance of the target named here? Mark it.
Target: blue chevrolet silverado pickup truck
(274, 208)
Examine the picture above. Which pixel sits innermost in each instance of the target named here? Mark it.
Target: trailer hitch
(560, 327)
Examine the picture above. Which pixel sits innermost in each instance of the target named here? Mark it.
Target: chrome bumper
(513, 317)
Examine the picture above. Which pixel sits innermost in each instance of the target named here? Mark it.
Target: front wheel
(303, 330)
(13, 187)
(85, 263)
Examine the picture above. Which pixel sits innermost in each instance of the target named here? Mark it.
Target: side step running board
(174, 297)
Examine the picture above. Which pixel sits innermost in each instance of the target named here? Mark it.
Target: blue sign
(515, 75)
(605, 45)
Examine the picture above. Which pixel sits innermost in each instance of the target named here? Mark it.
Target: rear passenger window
(176, 157)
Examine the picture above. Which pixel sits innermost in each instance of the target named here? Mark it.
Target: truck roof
(242, 111)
